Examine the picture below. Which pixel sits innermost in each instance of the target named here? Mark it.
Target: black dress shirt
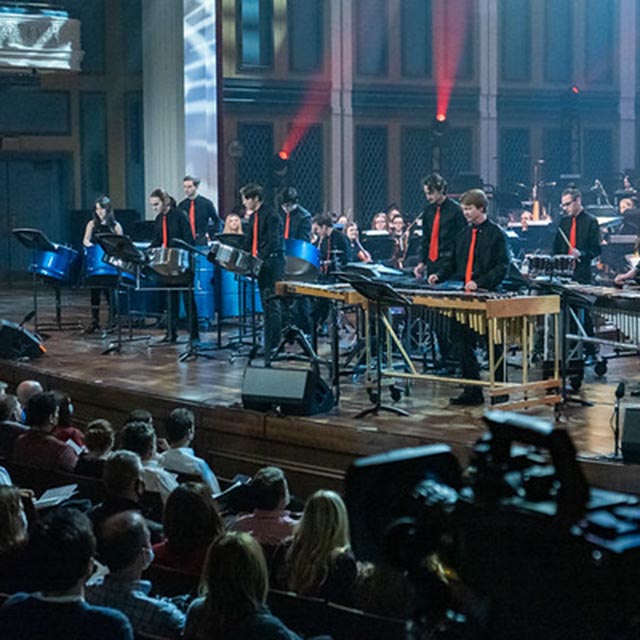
(336, 241)
(299, 223)
(207, 218)
(491, 256)
(587, 243)
(270, 233)
(452, 222)
(177, 227)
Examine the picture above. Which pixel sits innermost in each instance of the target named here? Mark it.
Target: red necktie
(286, 226)
(165, 234)
(192, 217)
(472, 249)
(573, 233)
(435, 234)
(254, 244)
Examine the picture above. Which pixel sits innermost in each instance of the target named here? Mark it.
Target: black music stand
(379, 245)
(380, 294)
(36, 240)
(123, 250)
(194, 349)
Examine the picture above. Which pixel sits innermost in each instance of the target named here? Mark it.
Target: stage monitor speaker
(631, 434)
(16, 342)
(295, 392)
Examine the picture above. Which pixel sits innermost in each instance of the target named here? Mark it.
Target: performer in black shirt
(102, 221)
(171, 224)
(201, 212)
(265, 240)
(442, 221)
(480, 259)
(578, 235)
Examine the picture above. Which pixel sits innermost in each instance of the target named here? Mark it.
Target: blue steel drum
(98, 273)
(232, 288)
(58, 265)
(302, 260)
(203, 288)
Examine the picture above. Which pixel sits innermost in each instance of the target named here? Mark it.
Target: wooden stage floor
(317, 447)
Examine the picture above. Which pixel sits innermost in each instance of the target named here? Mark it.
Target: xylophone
(505, 319)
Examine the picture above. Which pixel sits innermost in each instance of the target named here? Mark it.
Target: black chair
(304, 615)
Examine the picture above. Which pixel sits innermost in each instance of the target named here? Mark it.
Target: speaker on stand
(17, 343)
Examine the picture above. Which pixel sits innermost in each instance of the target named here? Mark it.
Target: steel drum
(58, 265)
(102, 270)
(237, 291)
(540, 265)
(235, 260)
(302, 261)
(171, 263)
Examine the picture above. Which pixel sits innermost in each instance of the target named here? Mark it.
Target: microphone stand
(616, 432)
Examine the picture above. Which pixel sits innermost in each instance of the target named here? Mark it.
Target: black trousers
(272, 271)
(95, 294)
(464, 347)
(174, 313)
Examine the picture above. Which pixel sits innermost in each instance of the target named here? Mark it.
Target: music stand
(194, 350)
(36, 240)
(380, 295)
(123, 250)
(379, 244)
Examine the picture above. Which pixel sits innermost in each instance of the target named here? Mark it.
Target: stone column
(488, 100)
(163, 96)
(627, 73)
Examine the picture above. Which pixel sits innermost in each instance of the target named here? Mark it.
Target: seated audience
(140, 437)
(319, 561)
(64, 430)
(124, 546)
(25, 391)
(235, 583)
(37, 447)
(62, 549)
(5, 478)
(270, 523)
(123, 477)
(10, 424)
(13, 536)
(98, 441)
(180, 458)
(191, 522)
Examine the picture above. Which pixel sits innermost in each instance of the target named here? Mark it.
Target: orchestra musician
(358, 252)
(265, 240)
(171, 224)
(442, 221)
(480, 259)
(103, 220)
(396, 227)
(233, 224)
(380, 222)
(202, 214)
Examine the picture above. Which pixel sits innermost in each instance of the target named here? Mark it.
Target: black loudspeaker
(16, 342)
(296, 392)
(631, 434)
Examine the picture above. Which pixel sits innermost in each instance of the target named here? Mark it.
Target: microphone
(620, 391)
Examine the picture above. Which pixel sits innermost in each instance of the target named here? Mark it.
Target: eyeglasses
(564, 205)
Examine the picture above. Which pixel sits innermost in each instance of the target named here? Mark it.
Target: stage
(313, 451)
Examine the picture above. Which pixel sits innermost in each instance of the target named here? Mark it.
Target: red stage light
(441, 117)
(283, 155)
(575, 89)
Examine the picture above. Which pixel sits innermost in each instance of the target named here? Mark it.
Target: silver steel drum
(169, 262)
(237, 260)
(540, 265)
(564, 266)
(302, 260)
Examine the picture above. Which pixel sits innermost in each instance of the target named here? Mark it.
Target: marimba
(505, 319)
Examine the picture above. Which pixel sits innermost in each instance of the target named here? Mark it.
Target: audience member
(98, 440)
(234, 584)
(13, 536)
(10, 424)
(124, 546)
(62, 550)
(140, 437)
(191, 521)
(25, 391)
(123, 477)
(5, 478)
(270, 523)
(180, 458)
(37, 447)
(64, 430)
(319, 561)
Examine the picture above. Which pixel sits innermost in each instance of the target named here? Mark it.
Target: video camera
(545, 555)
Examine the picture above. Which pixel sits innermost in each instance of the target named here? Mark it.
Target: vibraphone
(619, 308)
(505, 320)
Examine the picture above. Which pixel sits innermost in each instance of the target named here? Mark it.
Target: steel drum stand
(121, 248)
